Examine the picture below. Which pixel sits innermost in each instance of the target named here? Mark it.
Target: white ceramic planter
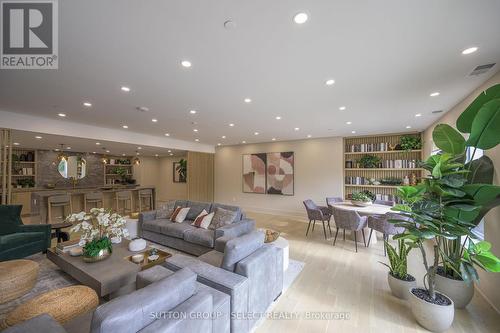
(399, 288)
(361, 203)
(435, 318)
(460, 293)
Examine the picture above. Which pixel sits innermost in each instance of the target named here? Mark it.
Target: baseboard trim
(486, 299)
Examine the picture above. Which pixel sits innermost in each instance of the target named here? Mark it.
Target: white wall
(318, 174)
(489, 282)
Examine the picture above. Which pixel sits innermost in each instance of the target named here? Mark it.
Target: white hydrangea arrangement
(98, 224)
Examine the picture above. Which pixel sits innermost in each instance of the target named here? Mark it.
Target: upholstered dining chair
(320, 213)
(333, 200)
(350, 220)
(381, 224)
(384, 202)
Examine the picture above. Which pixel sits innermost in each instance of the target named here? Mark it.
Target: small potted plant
(99, 229)
(369, 161)
(410, 142)
(360, 199)
(398, 278)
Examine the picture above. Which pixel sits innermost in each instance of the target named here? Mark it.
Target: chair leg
(344, 235)
(308, 226)
(314, 223)
(385, 250)
(335, 239)
(330, 228)
(364, 239)
(370, 237)
(324, 229)
(356, 241)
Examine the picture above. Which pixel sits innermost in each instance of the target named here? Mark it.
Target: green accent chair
(18, 240)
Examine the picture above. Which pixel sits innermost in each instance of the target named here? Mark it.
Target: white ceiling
(385, 56)
(26, 139)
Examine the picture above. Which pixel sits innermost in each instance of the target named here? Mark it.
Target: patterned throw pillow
(203, 220)
(165, 211)
(175, 213)
(181, 215)
(222, 217)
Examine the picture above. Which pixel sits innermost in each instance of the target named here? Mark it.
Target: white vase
(399, 288)
(460, 292)
(434, 317)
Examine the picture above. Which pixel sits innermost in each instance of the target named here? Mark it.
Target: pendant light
(61, 156)
(104, 159)
(136, 160)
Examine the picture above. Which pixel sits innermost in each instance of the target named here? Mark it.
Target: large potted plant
(446, 207)
(98, 229)
(398, 278)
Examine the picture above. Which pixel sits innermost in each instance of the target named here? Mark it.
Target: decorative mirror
(72, 167)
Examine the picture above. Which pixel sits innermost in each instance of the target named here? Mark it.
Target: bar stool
(62, 200)
(146, 196)
(95, 199)
(124, 197)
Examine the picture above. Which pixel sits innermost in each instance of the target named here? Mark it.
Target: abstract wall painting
(254, 173)
(280, 173)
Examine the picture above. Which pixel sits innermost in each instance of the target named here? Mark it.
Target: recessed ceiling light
(342, 108)
(123, 154)
(273, 139)
(300, 18)
(231, 125)
(330, 82)
(16, 143)
(247, 100)
(470, 50)
(137, 153)
(218, 144)
(167, 134)
(296, 129)
(309, 135)
(38, 137)
(125, 126)
(348, 122)
(126, 89)
(223, 136)
(195, 130)
(87, 104)
(408, 126)
(98, 143)
(142, 108)
(192, 111)
(92, 152)
(353, 132)
(243, 141)
(278, 118)
(256, 133)
(171, 154)
(154, 120)
(169, 151)
(62, 115)
(434, 94)
(418, 115)
(156, 155)
(68, 148)
(57, 149)
(139, 148)
(197, 140)
(186, 63)
(107, 151)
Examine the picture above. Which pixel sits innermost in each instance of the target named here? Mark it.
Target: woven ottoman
(17, 277)
(61, 304)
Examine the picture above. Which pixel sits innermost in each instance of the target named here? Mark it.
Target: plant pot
(460, 292)
(434, 317)
(399, 288)
(361, 203)
(103, 254)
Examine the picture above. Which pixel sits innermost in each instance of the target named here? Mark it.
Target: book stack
(368, 147)
(65, 247)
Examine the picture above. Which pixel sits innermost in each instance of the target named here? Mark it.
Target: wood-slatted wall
(200, 176)
(6, 165)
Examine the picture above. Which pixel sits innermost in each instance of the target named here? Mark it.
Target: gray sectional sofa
(185, 237)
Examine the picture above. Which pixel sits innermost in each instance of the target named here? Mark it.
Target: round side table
(282, 243)
(61, 236)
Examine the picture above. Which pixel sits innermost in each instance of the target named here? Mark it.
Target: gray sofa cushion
(213, 258)
(196, 208)
(132, 312)
(150, 275)
(240, 248)
(41, 323)
(155, 225)
(176, 229)
(222, 217)
(200, 236)
(228, 207)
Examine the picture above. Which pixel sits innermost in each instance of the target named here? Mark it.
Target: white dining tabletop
(373, 209)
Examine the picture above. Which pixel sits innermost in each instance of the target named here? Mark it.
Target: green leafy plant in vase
(445, 208)
(98, 230)
(411, 142)
(360, 199)
(369, 161)
(398, 278)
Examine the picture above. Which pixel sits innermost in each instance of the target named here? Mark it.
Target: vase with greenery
(369, 161)
(410, 142)
(445, 208)
(398, 278)
(98, 230)
(181, 168)
(360, 199)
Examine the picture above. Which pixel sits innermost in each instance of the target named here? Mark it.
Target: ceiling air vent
(481, 69)
(437, 111)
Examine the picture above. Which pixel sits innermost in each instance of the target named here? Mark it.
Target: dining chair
(315, 212)
(384, 202)
(381, 224)
(333, 200)
(350, 220)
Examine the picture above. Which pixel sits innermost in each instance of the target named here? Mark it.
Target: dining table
(373, 209)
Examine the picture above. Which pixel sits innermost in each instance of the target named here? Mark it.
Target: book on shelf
(368, 147)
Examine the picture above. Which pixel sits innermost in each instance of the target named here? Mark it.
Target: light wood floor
(336, 279)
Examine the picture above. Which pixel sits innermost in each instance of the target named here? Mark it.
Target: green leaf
(436, 172)
(481, 171)
(464, 121)
(453, 180)
(448, 139)
(483, 194)
(486, 126)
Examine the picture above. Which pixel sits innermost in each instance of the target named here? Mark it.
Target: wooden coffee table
(111, 277)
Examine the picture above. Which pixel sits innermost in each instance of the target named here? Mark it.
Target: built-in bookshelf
(391, 165)
(23, 167)
(112, 167)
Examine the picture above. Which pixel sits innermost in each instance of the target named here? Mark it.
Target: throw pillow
(222, 217)
(175, 213)
(181, 216)
(164, 213)
(203, 221)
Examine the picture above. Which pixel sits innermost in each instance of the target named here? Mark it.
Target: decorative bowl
(271, 235)
(103, 254)
(153, 257)
(361, 203)
(137, 258)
